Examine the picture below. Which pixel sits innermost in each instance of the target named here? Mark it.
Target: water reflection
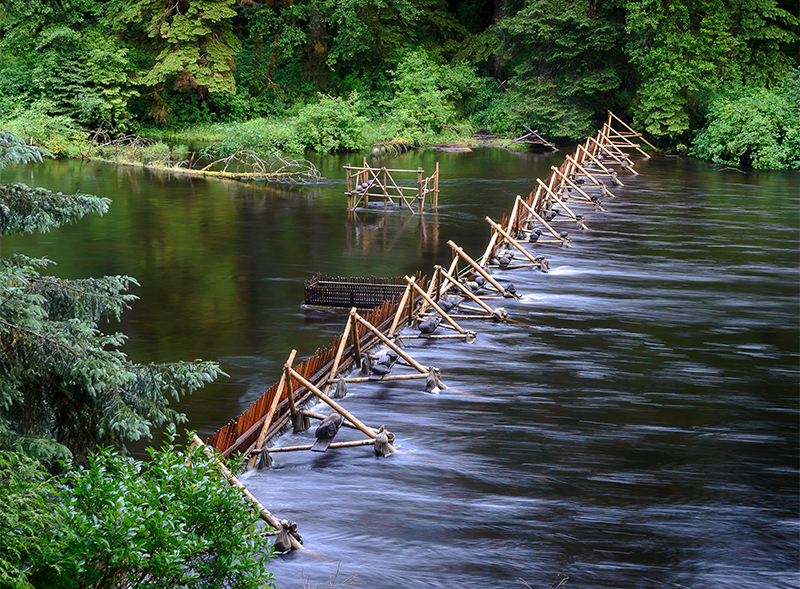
(638, 430)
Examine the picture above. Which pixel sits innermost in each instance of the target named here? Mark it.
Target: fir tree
(65, 386)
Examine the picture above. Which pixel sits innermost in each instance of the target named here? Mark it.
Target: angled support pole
(477, 268)
(547, 226)
(340, 351)
(390, 343)
(624, 124)
(263, 512)
(594, 159)
(334, 405)
(554, 196)
(571, 183)
(588, 175)
(433, 304)
(513, 241)
(262, 436)
(628, 141)
(464, 290)
(399, 313)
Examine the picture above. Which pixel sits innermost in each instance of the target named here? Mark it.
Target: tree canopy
(550, 64)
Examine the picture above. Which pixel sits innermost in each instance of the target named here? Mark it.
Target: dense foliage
(173, 521)
(421, 70)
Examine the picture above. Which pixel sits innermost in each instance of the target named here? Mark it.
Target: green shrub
(754, 126)
(429, 97)
(171, 522)
(60, 135)
(332, 124)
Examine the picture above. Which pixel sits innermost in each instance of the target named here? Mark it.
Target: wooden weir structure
(468, 290)
(394, 187)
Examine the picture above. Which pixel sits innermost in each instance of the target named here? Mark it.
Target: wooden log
(433, 304)
(624, 124)
(262, 437)
(476, 267)
(263, 512)
(511, 240)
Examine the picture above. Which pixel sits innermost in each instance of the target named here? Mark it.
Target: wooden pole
(543, 222)
(639, 135)
(436, 188)
(477, 268)
(583, 170)
(390, 344)
(594, 159)
(290, 390)
(263, 512)
(351, 444)
(336, 407)
(571, 183)
(511, 240)
(628, 142)
(420, 195)
(356, 379)
(554, 196)
(399, 312)
(467, 292)
(354, 336)
(262, 436)
(433, 304)
(340, 351)
(349, 188)
(607, 143)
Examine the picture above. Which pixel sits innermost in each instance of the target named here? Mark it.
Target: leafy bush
(427, 94)
(754, 126)
(332, 124)
(60, 135)
(171, 522)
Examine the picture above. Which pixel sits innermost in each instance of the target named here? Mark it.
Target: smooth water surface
(638, 426)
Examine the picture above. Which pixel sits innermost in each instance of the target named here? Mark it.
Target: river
(638, 426)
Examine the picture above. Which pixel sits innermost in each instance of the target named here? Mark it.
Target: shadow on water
(642, 431)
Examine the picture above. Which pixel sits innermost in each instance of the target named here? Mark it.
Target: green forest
(717, 79)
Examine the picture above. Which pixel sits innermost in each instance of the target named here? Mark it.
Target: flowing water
(637, 428)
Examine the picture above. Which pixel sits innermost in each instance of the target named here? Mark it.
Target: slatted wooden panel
(241, 432)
